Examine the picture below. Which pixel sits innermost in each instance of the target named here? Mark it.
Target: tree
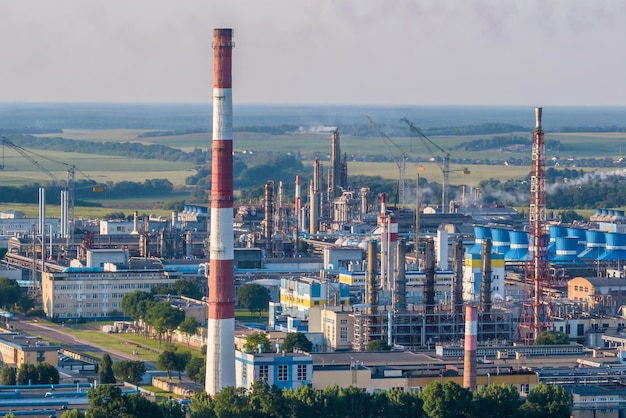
(297, 341)
(73, 413)
(357, 402)
(196, 369)
(181, 361)
(25, 303)
(171, 409)
(404, 404)
(447, 401)
(105, 370)
(257, 342)
(47, 374)
(187, 287)
(231, 403)
(27, 373)
(494, 401)
(548, 401)
(202, 406)
(550, 337)
(254, 297)
(106, 401)
(189, 327)
(8, 376)
(267, 401)
(136, 304)
(377, 345)
(10, 293)
(164, 318)
(167, 361)
(305, 402)
(137, 406)
(130, 371)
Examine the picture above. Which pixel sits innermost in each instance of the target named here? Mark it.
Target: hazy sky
(509, 52)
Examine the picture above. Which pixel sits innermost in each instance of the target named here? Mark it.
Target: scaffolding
(417, 329)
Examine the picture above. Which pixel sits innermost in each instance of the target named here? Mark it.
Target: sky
(370, 52)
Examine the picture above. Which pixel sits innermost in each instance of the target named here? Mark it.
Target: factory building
(97, 292)
(374, 372)
(17, 349)
(598, 294)
(298, 295)
(283, 370)
(473, 276)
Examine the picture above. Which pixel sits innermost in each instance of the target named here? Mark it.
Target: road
(55, 332)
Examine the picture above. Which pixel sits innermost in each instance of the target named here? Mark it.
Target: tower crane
(443, 166)
(71, 171)
(24, 153)
(400, 160)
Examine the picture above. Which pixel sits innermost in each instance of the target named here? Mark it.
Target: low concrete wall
(178, 388)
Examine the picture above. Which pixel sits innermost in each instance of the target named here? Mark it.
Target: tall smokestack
(334, 181)
(42, 212)
(457, 293)
(485, 283)
(371, 290)
(399, 291)
(220, 367)
(298, 202)
(268, 226)
(469, 364)
(314, 209)
(429, 272)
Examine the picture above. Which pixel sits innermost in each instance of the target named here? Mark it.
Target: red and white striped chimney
(469, 363)
(220, 367)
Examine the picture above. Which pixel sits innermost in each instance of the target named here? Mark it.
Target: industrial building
(17, 349)
(283, 370)
(96, 290)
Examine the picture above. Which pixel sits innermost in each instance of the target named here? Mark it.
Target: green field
(87, 212)
(16, 170)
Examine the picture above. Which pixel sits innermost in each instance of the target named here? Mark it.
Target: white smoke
(587, 178)
(319, 129)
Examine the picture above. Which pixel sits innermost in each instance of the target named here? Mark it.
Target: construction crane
(24, 153)
(71, 171)
(443, 166)
(400, 160)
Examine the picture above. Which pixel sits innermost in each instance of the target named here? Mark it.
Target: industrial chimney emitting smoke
(220, 366)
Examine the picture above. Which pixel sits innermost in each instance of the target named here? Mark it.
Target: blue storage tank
(555, 231)
(566, 250)
(500, 240)
(582, 237)
(518, 250)
(595, 246)
(615, 247)
(481, 233)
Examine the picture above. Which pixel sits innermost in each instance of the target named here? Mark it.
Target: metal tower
(536, 315)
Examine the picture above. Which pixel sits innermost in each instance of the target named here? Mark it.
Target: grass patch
(246, 316)
(86, 212)
(148, 349)
(160, 394)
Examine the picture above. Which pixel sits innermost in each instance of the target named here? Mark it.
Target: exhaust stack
(220, 367)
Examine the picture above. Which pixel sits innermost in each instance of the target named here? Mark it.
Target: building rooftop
(26, 343)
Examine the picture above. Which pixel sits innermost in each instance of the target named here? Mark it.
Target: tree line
(29, 374)
(125, 149)
(436, 400)
(86, 189)
(448, 400)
